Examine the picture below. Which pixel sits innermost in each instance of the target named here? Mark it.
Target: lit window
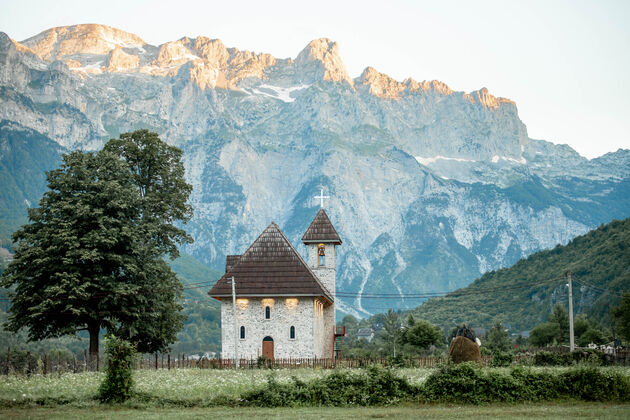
(242, 332)
(292, 333)
(267, 312)
(321, 254)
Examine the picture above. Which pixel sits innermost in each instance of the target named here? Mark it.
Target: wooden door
(267, 345)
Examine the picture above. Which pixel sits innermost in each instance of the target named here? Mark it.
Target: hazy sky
(566, 64)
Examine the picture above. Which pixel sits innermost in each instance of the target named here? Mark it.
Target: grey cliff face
(430, 187)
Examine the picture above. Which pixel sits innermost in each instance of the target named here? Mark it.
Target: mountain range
(430, 187)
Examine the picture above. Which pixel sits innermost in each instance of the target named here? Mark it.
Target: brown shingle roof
(321, 230)
(230, 261)
(269, 267)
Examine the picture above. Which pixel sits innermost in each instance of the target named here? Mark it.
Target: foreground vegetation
(462, 384)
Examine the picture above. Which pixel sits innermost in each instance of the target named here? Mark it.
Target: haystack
(465, 346)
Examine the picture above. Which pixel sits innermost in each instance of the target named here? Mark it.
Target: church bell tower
(321, 239)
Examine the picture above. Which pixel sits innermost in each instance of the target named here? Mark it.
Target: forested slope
(524, 294)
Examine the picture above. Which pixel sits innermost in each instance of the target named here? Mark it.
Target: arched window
(267, 312)
(321, 254)
(242, 332)
(292, 333)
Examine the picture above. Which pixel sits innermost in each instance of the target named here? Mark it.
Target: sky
(566, 64)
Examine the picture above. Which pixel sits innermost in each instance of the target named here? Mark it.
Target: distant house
(480, 332)
(365, 334)
(525, 334)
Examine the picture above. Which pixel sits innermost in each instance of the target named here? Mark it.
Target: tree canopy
(92, 254)
(421, 334)
(498, 339)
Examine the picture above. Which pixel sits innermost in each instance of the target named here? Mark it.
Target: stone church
(285, 306)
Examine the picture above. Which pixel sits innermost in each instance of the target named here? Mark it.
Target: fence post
(28, 363)
(156, 361)
(8, 360)
(169, 361)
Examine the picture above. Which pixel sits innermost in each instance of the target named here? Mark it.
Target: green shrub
(19, 362)
(468, 383)
(592, 384)
(375, 386)
(263, 362)
(547, 358)
(590, 356)
(502, 359)
(401, 360)
(118, 382)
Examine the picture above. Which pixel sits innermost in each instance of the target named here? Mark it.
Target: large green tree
(544, 334)
(498, 339)
(392, 329)
(421, 334)
(92, 254)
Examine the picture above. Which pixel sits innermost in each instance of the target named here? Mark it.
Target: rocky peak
(119, 60)
(321, 60)
(211, 50)
(62, 41)
(483, 97)
(174, 54)
(384, 86)
(380, 84)
(433, 85)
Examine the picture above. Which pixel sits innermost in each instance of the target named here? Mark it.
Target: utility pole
(235, 323)
(571, 337)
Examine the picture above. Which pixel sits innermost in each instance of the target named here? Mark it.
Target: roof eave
(249, 295)
(322, 241)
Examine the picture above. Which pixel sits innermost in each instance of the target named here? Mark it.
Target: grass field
(182, 384)
(502, 411)
(187, 393)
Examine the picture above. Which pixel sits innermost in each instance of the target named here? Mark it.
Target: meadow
(184, 385)
(191, 387)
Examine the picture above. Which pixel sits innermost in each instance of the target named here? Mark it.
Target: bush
(467, 383)
(118, 382)
(401, 360)
(19, 362)
(263, 362)
(590, 356)
(376, 386)
(502, 359)
(547, 358)
(592, 384)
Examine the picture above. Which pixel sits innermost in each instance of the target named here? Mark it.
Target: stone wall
(327, 276)
(327, 273)
(285, 312)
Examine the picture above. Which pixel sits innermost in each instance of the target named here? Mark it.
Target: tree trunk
(93, 330)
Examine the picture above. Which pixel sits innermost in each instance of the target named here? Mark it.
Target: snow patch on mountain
(278, 92)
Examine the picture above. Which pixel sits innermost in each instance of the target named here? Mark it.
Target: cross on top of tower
(321, 197)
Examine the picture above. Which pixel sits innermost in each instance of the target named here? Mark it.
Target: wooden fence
(180, 361)
(21, 362)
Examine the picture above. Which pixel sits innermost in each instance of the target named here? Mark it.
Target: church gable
(269, 267)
